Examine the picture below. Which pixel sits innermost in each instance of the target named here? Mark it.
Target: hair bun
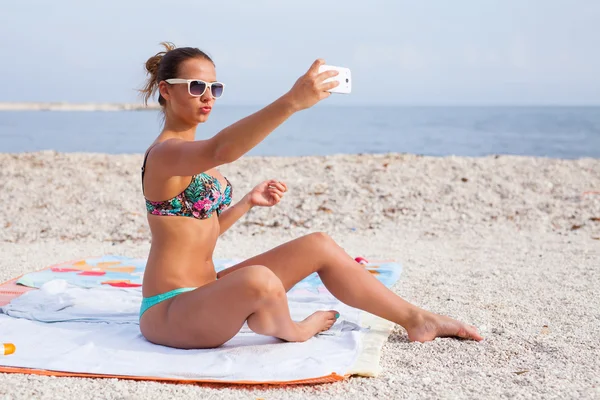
(152, 65)
(154, 62)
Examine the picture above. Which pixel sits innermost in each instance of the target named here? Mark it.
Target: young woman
(186, 303)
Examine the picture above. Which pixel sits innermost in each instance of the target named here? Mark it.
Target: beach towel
(72, 323)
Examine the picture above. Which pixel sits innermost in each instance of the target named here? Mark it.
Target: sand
(509, 244)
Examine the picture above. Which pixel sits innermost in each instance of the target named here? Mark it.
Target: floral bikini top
(200, 199)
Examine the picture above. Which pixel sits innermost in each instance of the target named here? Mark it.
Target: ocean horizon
(544, 131)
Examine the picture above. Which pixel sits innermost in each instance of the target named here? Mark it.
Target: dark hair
(165, 65)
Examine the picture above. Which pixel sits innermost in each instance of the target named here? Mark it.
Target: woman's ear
(163, 89)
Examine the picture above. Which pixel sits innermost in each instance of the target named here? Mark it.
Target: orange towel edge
(333, 377)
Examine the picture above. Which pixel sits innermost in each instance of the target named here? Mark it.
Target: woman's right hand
(309, 89)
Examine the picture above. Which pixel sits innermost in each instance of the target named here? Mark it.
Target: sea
(555, 132)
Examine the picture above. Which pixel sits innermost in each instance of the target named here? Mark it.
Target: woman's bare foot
(317, 322)
(427, 326)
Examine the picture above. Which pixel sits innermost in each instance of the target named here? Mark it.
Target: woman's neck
(179, 130)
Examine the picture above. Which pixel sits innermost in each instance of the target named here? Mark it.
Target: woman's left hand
(267, 193)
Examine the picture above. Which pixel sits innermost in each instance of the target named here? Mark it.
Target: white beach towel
(66, 328)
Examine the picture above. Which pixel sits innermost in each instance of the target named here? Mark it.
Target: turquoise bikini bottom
(148, 302)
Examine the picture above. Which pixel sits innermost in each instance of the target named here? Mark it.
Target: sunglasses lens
(217, 89)
(197, 88)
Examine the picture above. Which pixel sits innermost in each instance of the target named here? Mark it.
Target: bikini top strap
(144, 164)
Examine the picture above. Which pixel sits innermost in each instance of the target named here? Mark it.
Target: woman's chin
(202, 118)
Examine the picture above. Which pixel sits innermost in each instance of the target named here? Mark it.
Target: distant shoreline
(67, 106)
(64, 106)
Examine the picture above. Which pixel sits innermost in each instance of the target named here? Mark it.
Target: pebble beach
(510, 244)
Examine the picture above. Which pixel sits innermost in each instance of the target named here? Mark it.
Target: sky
(430, 52)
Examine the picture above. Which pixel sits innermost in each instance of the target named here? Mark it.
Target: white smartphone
(344, 77)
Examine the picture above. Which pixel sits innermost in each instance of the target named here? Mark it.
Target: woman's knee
(319, 237)
(261, 282)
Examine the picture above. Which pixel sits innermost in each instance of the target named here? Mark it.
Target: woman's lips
(205, 110)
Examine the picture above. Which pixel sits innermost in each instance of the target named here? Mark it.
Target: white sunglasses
(197, 87)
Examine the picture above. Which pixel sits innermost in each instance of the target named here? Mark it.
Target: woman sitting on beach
(186, 303)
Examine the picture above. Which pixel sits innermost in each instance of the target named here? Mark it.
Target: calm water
(559, 132)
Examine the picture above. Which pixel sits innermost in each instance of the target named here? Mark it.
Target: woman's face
(184, 106)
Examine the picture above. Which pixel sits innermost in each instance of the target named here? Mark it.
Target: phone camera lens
(347, 80)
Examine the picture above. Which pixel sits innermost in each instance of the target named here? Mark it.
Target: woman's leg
(353, 285)
(212, 314)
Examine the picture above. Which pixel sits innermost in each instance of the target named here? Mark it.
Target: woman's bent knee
(261, 283)
(320, 238)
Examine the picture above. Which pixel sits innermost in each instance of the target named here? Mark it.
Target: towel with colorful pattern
(83, 322)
